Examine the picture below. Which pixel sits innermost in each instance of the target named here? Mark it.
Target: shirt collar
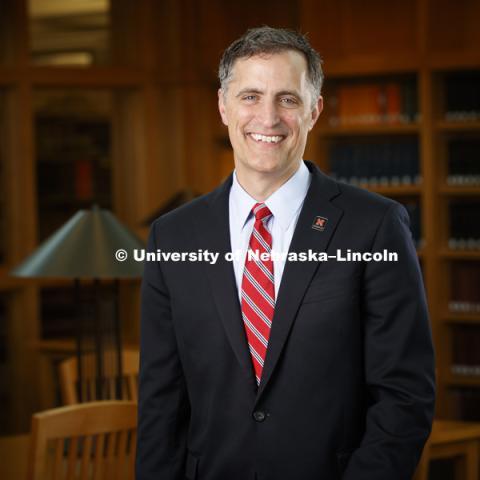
(284, 203)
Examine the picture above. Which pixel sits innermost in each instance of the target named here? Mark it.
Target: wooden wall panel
(348, 30)
(219, 22)
(453, 27)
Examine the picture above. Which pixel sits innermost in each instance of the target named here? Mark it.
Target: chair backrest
(93, 440)
(68, 371)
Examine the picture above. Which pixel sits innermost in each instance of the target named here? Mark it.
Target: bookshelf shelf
(459, 254)
(453, 380)
(455, 59)
(461, 318)
(395, 191)
(445, 126)
(462, 191)
(370, 130)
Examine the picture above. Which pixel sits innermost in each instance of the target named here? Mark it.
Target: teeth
(264, 138)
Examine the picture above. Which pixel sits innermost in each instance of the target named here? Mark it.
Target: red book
(394, 102)
(83, 179)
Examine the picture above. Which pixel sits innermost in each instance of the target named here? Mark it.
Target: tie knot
(261, 211)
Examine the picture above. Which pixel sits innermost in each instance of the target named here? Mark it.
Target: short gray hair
(266, 40)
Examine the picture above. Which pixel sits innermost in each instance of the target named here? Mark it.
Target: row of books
(463, 180)
(466, 370)
(464, 226)
(463, 96)
(463, 162)
(391, 102)
(462, 116)
(465, 349)
(464, 286)
(379, 163)
(80, 179)
(457, 306)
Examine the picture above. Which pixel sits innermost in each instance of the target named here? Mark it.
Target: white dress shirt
(285, 205)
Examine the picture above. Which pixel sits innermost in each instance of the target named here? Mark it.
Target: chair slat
(110, 456)
(131, 458)
(99, 456)
(86, 465)
(58, 459)
(72, 458)
(120, 464)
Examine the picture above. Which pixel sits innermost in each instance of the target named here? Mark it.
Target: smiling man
(269, 369)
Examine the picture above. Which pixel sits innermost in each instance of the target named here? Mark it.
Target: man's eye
(288, 101)
(250, 98)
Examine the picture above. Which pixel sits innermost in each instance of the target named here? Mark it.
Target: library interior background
(114, 104)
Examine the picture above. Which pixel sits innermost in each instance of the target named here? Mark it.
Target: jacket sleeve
(163, 411)
(399, 359)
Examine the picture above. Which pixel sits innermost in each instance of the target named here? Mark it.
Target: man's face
(268, 111)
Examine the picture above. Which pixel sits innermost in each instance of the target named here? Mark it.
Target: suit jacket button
(259, 416)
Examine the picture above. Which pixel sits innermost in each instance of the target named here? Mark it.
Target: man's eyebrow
(288, 92)
(243, 91)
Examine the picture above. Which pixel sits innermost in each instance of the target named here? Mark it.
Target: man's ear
(316, 111)
(221, 106)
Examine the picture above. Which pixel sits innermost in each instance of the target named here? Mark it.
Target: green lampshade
(85, 247)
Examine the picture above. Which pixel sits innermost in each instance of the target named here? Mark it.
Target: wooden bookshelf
(436, 53)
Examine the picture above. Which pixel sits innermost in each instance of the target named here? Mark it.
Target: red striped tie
(258, 289)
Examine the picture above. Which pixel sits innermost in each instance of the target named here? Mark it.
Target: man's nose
(269, 114)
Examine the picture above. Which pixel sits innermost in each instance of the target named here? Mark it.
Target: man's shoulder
(354, 199)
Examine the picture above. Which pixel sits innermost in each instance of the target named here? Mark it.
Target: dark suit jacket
(347, 390)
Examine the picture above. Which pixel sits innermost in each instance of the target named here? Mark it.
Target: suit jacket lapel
(297, 275)
(214, 230)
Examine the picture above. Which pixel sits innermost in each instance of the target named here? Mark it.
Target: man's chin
(266, 168)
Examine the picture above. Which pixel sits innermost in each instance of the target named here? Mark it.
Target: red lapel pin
(319, 223)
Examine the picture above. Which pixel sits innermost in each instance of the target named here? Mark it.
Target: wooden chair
(93, 440)
(455, 440)
(69, 376)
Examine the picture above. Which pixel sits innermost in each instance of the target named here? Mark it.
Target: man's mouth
(258, 137)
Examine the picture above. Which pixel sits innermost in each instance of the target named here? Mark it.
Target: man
(269, 368)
